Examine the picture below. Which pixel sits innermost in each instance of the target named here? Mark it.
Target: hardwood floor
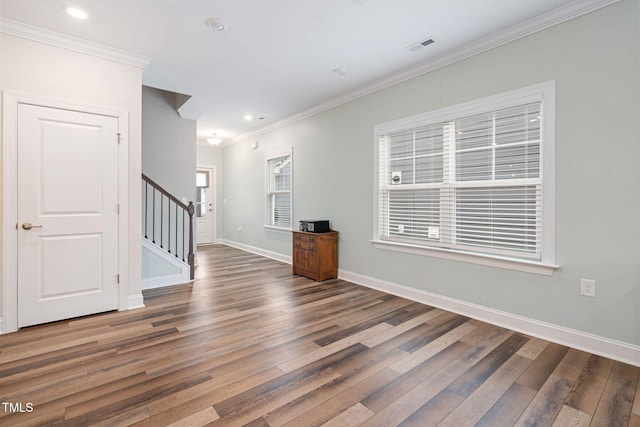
(251, 344)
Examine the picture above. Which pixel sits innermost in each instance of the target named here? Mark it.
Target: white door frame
(213, 180)
(11, 100)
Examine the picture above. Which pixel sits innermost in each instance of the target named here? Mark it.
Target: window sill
(277, 229)
(473, 258)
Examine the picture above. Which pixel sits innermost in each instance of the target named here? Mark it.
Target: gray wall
(168, 158)
(168, 144)
(595, 62)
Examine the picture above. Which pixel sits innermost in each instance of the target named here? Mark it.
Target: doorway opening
(205, 205)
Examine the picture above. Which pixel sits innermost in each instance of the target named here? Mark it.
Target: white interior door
(205, 207)
(67, 214)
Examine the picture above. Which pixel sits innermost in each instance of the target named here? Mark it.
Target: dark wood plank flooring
(250, 344)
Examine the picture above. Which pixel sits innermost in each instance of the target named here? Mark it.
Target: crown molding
(541, 22)
(25, 31)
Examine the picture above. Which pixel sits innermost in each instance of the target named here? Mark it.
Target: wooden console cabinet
(315, 255)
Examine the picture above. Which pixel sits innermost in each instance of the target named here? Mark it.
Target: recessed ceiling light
(215, 24)
(248, 117)
(77, 13)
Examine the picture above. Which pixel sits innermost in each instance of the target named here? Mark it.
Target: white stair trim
(174, 279)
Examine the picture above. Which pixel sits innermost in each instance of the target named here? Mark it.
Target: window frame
(268, 214)
(545, 93)
(201, 209)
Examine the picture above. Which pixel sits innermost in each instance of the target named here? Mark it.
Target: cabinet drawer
(305, 245)
(305, 238)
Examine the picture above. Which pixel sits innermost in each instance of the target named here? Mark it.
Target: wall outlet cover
(588, 287)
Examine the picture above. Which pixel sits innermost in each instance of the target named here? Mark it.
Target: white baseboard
(595, 344)
(161, 281)
(258, 251)
(601, 346)
(135, 301)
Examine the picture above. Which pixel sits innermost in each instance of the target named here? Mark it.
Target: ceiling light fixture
(214, 140)
(248, 117)
(77, 13)
(214, 24)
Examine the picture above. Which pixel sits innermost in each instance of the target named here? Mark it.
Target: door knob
(29, 226)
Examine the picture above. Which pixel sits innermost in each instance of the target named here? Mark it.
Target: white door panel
(67, 190)
(59, 140)
(205, 206)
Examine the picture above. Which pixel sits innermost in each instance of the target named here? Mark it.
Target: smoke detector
(340, 71)
(215, 24)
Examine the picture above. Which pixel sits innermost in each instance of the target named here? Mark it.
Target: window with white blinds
(278, 190)
(469, 178)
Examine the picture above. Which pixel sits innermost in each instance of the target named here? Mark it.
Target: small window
(470, 179)
(202, 186)
(278, 190)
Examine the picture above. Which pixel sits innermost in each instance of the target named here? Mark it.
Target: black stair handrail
(155, 220)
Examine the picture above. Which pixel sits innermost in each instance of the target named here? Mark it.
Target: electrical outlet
(588, 287)
(239, 228)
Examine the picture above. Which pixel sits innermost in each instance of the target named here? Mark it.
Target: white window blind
(278, 194)
(468, 182)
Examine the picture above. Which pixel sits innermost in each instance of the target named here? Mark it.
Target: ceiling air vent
(421, 44)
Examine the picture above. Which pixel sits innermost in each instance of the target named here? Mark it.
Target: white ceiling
(275, 58)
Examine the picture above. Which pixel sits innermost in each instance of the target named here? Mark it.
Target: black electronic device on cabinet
(315, 226)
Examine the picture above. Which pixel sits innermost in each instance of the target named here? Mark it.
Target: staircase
(168, 257)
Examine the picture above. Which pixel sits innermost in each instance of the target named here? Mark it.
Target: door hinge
(118, 278)
(118, 208)
(118, 137)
